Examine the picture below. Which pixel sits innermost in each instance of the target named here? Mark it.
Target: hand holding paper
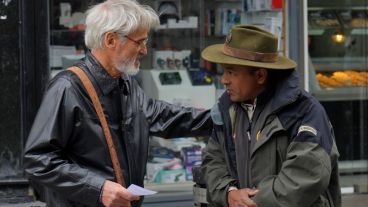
(139, 191)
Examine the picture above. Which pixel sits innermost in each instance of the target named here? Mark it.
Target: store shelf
(229, 1)
(353, 166)
(354, 31)
(170, 187)
(172, 194)
(53, 31)
(331, 64)
(316, 31)
(359, 31)
(337, 7)
(354, 176)
(342, 94)
(340, 4)
(165, 27)
(177, 199)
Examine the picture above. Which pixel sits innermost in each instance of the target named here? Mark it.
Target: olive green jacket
(293, 162)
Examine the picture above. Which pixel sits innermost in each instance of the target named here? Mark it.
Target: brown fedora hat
(249, 46)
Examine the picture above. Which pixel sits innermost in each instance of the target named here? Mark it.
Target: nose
(143, 50)
(224, 80)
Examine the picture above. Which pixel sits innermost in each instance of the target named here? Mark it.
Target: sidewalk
(356, 200)
(30, 204)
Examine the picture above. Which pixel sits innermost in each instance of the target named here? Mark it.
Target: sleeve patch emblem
(305, 128)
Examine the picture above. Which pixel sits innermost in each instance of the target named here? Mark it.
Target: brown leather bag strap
(97, 104)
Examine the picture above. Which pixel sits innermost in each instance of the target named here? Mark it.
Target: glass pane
(338, 50)
(10, 133)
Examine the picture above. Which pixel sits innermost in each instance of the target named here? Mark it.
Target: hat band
(249, 55)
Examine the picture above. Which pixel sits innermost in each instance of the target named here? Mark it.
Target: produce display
(339, 79)
(338, 18)
(359, 22)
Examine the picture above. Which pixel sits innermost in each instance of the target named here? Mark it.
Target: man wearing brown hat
(272, 143)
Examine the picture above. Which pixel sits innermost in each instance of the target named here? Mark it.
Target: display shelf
(229, 1)
(353, 31)
(164, 28)
(348, 16)
(359, 31)
(178, 194)
(183, 198)
(336, 67)
(193, 32)
(66, 30)
(170, 187)
(316, 31)
(353, 178)
(341, 94)
(353, 166)
(330, 64)
(340, 7)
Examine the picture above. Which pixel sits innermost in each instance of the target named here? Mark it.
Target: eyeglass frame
(140, 43)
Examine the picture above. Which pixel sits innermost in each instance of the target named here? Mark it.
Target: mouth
(137, 63)
(138, 59)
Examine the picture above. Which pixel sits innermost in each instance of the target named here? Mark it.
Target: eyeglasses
(141, 43)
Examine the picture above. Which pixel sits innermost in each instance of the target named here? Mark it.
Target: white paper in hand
(139, 191)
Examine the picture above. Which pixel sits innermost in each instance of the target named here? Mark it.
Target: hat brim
(214, 54)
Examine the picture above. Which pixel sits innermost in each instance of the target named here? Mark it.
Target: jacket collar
(284, 92)
(103, 79)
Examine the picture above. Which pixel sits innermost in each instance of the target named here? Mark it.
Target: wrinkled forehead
(140, 31)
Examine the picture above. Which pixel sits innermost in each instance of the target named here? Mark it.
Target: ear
(110, 39)
(261, 75)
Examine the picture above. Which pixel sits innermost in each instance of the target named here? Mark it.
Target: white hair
(121, 16)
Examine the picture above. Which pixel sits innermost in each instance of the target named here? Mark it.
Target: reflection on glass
(338, 37)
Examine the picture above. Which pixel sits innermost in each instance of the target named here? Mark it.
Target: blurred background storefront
(328, 40)
(337, 73)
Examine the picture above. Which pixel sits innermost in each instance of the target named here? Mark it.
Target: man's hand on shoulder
(113, 194)
(241, 197)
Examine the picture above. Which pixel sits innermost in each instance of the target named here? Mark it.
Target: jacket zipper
(248, 155)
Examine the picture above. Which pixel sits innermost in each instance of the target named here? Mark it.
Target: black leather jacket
(66, 150)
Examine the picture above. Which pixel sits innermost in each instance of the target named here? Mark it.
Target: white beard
(128, 67)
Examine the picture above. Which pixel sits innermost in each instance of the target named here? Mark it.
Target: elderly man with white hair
(87, 149)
